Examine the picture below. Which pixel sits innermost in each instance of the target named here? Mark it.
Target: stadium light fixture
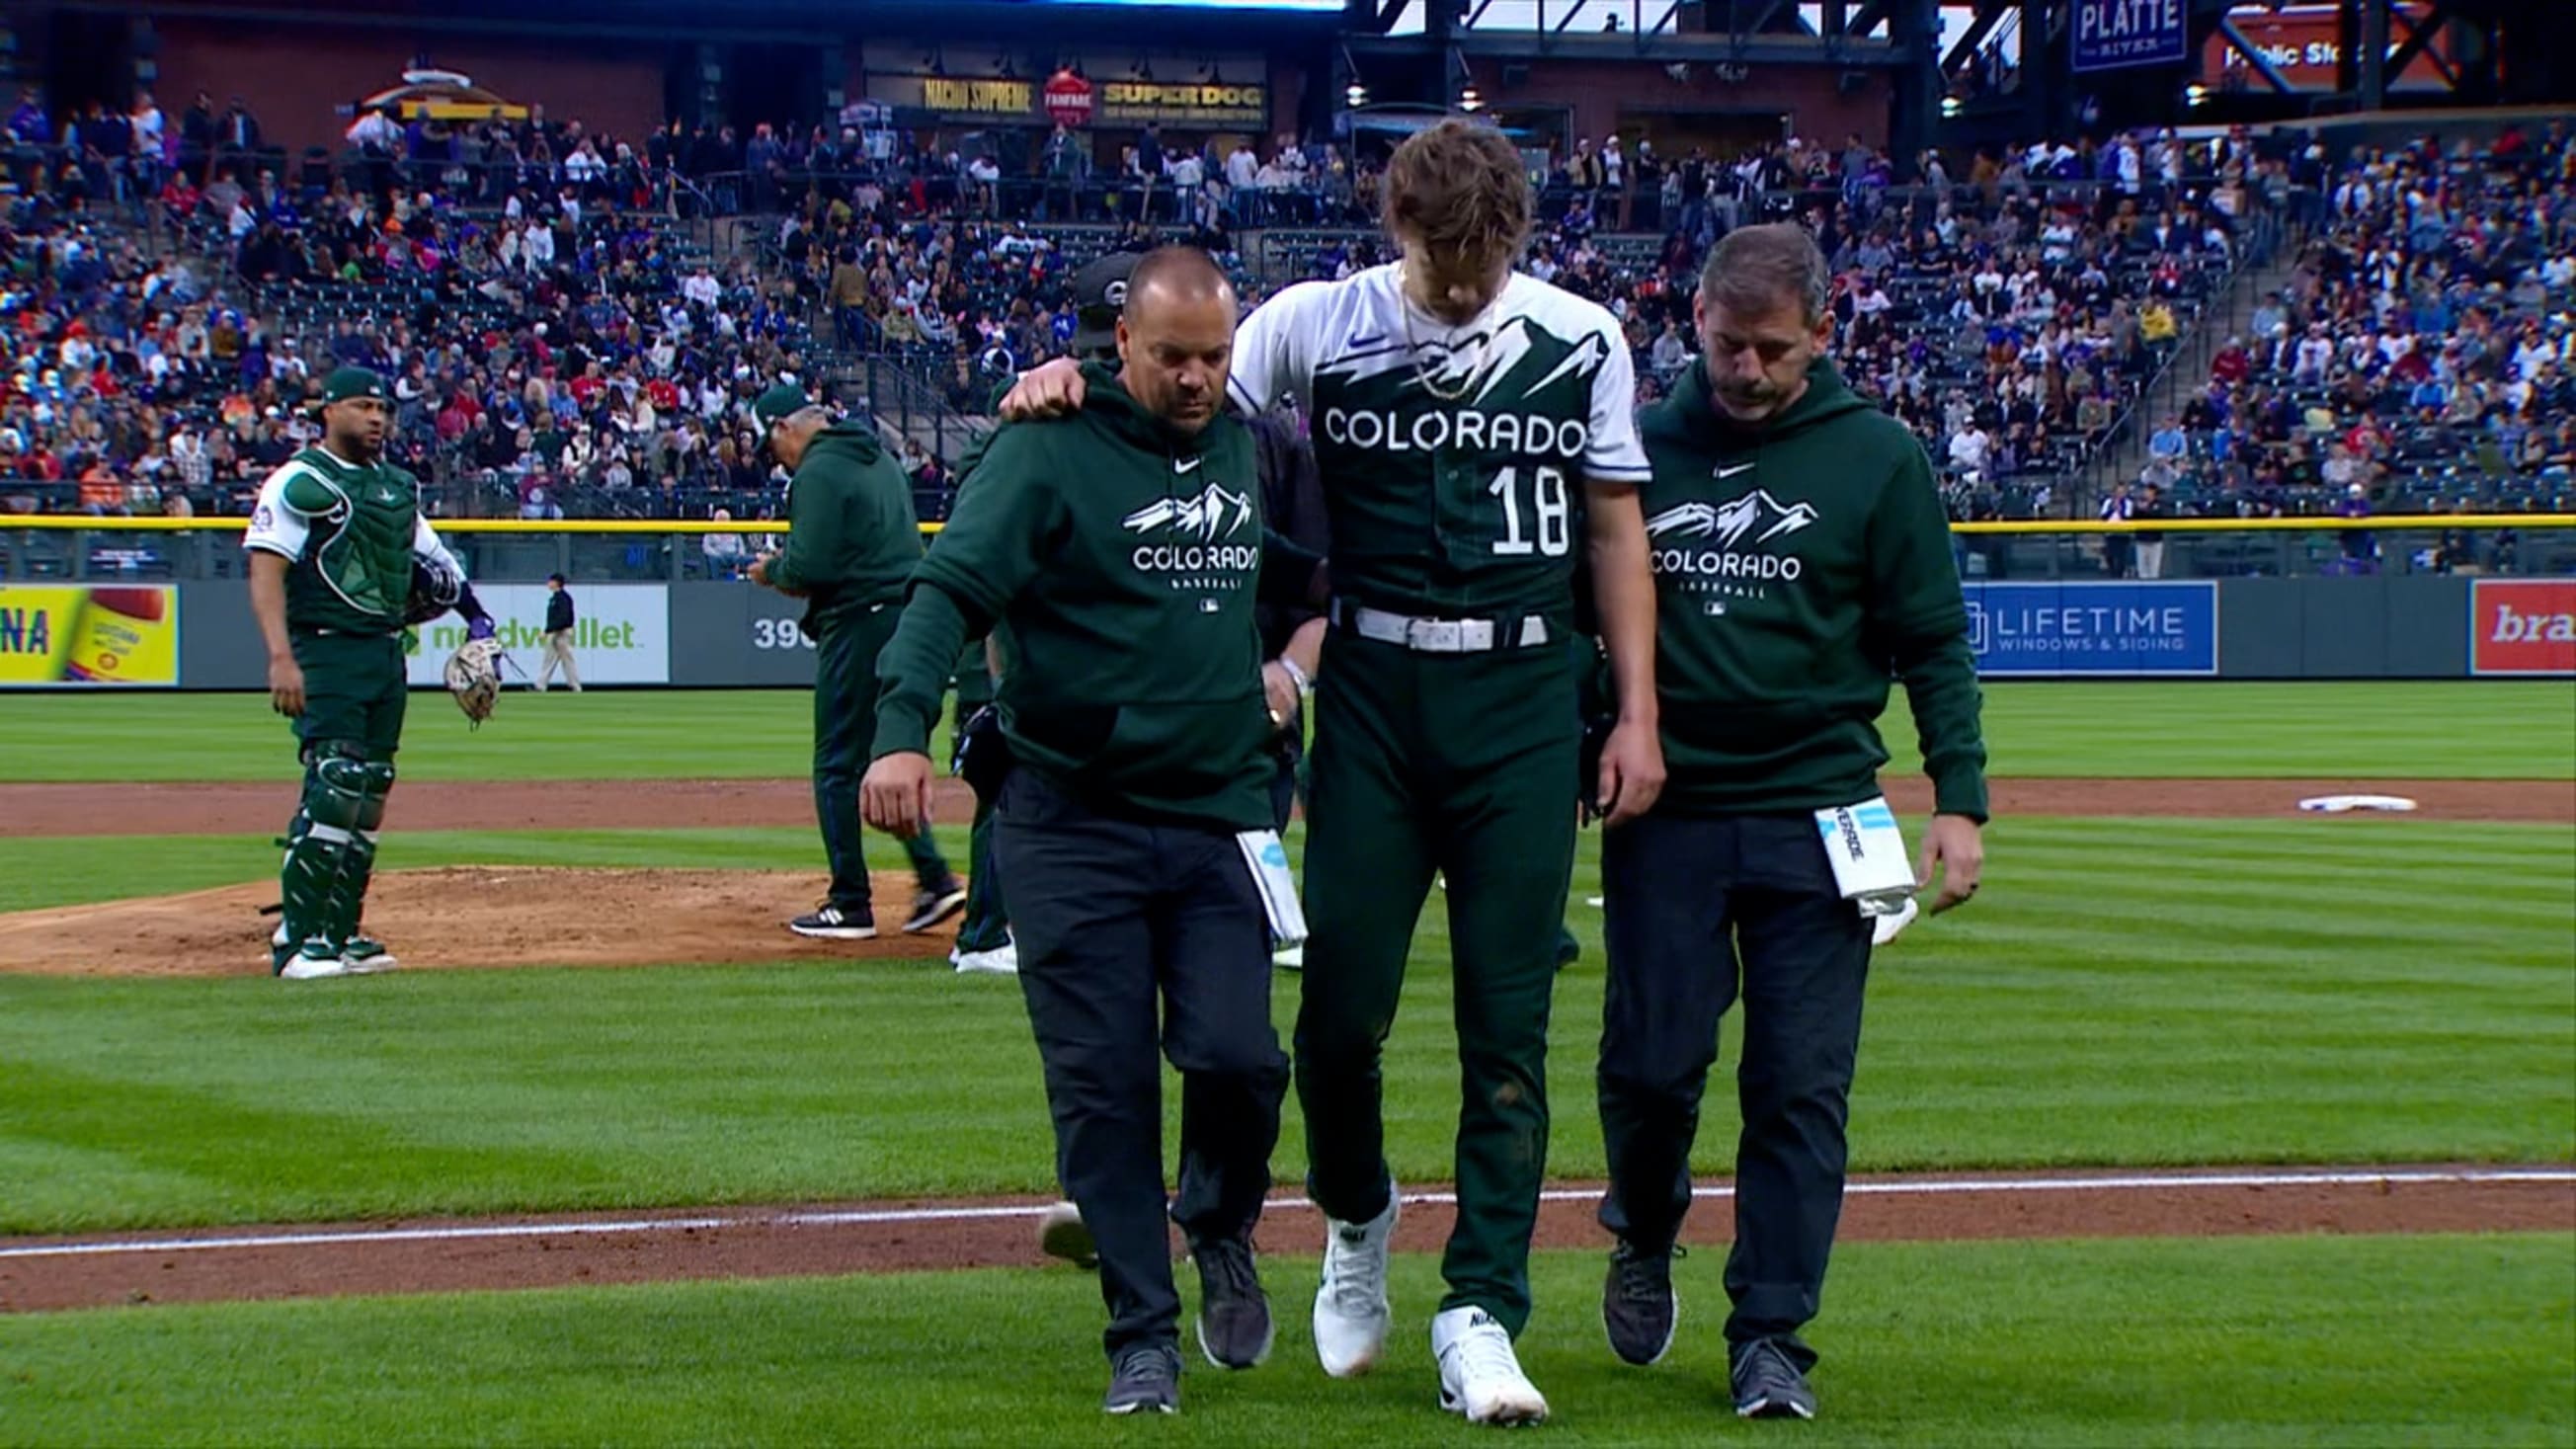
(1470, 100)
(2195, 95)
(1952, 107)
(1355, 96)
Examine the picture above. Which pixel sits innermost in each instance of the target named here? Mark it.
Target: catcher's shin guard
(318, 845)
(348, 896)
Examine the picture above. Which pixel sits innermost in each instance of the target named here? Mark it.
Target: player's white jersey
(1453, 457)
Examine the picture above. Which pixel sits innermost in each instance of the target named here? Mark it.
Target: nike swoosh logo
(1186, 465)
(1372, 340)
(1738, 468)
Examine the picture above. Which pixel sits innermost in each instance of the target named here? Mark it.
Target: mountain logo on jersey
(1718, 548)
(1204, 517)
(1470, 368)
(1729, 522)
(1515, 390)
(1189, 542)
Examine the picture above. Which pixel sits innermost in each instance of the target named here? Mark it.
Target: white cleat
(1350, 1304)
(1289, 958)
(309, 965)
(1002, 960)
(1480, 1376)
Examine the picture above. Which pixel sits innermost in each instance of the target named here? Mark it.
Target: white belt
(1439, 636)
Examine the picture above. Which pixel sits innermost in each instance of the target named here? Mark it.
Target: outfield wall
(731, 635)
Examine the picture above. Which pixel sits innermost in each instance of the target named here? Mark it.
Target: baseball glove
(473, 675)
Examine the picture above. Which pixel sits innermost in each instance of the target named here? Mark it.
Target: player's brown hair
(1462, 190)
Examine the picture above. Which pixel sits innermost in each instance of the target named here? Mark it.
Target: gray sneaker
(1638, 1305)
(1768, 1384)
(1145, 1378)
(1234, 1314)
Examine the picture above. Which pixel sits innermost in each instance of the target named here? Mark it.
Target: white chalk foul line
(859, 1217)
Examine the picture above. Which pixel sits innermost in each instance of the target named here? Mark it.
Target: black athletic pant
(1699, 911)
(1110, 914)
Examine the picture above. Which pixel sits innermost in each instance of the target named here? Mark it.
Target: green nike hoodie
(1799, 567)
(1116, 561)
(853, 538)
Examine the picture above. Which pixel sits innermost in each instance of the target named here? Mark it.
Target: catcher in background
(336, 543)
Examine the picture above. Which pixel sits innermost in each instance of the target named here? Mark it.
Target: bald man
(1115, 558)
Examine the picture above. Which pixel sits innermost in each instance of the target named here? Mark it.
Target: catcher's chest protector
(356, 570)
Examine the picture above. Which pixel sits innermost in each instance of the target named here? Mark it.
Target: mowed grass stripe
(2458, 729)
(2283, 1341)
(2128, 860)
(2101, 1015)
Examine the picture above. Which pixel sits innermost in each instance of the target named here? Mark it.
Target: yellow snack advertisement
(83, 635)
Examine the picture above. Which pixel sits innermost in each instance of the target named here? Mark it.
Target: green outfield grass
(2173, 991)
(2293, 1341)
(2423, 730)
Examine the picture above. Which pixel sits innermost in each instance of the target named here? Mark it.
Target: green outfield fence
(82, 548)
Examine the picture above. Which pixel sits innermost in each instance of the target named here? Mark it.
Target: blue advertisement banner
(2110, 34)
(2094, 628)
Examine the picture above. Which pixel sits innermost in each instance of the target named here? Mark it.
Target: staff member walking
(559, 621)
(1115, 555)
(1292, 631)
(851, 548)
(1801, 561)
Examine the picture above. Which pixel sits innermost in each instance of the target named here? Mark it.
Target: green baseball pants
(846, 646)
(1463, 765)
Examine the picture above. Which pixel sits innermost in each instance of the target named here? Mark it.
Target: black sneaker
(1234, 1314)
(1638, 1305)
(833, 922)
(935, 904)
(1144, 1378)
(1768, 1385)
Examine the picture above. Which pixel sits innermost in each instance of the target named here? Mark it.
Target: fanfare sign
(621, 633)
(2110, 34)
(2094, 628)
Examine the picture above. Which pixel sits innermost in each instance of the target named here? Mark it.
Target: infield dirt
(322, 1260)
(479, 916)
(260, 807)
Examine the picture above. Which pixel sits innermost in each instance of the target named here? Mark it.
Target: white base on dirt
(2340, 804)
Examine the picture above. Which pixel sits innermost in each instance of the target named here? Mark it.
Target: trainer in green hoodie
(852, 544)
(1115, 559)
(1801, 562)
(1116, 555)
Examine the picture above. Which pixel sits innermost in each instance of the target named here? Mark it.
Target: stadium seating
(2014, 322)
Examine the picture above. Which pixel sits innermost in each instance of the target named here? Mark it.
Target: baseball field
(2212, 1121)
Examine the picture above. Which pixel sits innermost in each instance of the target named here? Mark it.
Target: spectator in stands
(2169, 444)
(1971, 447)
(725, 552)
(1671, 354)
(2360, 545)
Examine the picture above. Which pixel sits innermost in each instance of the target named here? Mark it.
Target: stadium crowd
(2420, 358)
(564, 342)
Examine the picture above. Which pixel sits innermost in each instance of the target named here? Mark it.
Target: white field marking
(859, 1217)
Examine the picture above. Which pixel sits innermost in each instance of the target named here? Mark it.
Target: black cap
(1100, 292)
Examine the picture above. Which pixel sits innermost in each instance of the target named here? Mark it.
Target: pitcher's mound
(501, 915)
